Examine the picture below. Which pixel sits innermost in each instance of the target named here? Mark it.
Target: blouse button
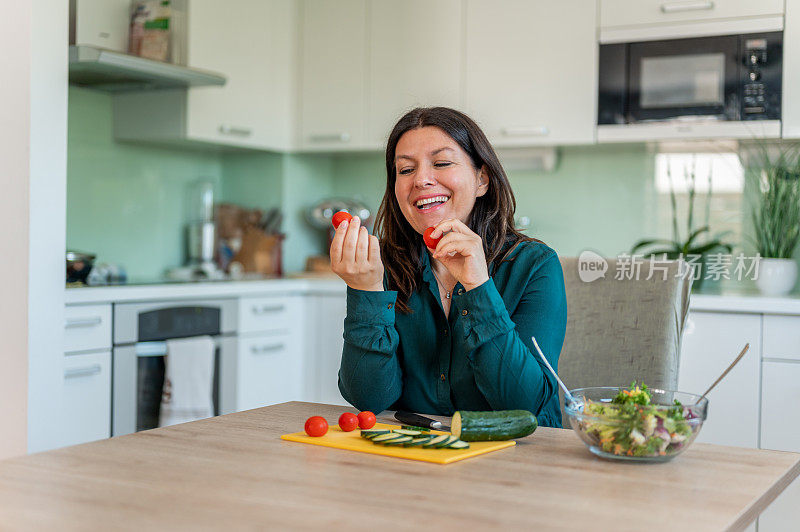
(445, 332)
(442, 377)
(464, 312)
(389, 306)
(460, 291)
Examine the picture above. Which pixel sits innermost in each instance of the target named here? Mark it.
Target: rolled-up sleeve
(370, 377)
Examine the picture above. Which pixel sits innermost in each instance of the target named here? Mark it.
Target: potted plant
(699, 241)
(775, 181)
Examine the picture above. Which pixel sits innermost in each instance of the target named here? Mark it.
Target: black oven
(731, 77)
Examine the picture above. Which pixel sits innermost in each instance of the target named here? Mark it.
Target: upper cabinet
(415, 60)
(333, 58)
(531, 70)
(636, 12)
(252, 43)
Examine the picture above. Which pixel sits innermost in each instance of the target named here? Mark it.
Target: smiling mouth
(430, 203)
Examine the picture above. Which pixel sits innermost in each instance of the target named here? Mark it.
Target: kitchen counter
(208, 289)
(234, 472)
(744, 299)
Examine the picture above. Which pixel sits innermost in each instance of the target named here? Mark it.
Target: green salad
(630, 425)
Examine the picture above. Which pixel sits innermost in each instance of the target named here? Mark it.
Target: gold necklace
(441, 284)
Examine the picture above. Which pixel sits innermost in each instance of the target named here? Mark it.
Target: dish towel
(188, 381)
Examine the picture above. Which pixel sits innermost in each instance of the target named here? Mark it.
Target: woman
(445, 329)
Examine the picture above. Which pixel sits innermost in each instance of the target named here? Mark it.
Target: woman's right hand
(356, 256)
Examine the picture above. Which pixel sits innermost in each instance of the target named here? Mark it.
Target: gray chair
(620, 330)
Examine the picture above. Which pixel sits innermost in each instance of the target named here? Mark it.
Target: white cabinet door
(711, 341)
(326, 315)
(531, 70)
(784, 512)
(415, 60)
(103, 23)
(86, 403)
(250, 42)
(634, 12)
(780, 385)
(333, 74)
(270, 370)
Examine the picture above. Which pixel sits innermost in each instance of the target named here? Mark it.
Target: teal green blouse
(479, 358)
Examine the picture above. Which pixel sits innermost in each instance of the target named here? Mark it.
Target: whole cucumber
(493, 426)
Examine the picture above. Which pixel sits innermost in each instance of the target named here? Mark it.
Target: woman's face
(435, 179)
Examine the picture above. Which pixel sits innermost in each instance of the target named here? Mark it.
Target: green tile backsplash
(126, 202)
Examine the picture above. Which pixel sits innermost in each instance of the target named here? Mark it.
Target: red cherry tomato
(366, 420)
(339, 217)
(348, 421)
(316, 426)
(429, 241)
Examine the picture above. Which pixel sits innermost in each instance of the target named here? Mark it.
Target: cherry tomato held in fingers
(316, 426)
(348, 421)
(430, 241)
(339, 217)
(366, 420)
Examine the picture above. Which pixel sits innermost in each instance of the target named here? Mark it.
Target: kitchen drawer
(268, 314)
(86, 414)
(635, 12)
(270, 370)
(781, 337)
(87, 327)
(780, 416)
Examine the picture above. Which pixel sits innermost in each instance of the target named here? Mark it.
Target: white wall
(48, 200)
(14, 179)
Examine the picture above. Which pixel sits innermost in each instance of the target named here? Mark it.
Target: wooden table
(234, 473)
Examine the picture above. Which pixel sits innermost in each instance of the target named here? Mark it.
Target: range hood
(109, 71)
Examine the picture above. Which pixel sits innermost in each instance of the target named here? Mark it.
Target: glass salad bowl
(638, 424)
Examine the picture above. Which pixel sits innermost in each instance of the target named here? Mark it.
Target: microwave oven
(730, 77)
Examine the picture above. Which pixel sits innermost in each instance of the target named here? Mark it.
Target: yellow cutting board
(352, 441)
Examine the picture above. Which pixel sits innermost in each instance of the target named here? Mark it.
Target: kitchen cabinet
(414, 60)
(780, 417)
(86, 397)
(252, 43)
(334, 48)
(636, 12)
(270, 353)
(525, 83)
(270, 370)
(100, 23)
(710, 342)
(326, 313)
(87, 327)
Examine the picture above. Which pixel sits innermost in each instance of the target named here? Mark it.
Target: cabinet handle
(330, 137)
(265, 349)
(265, 309)
(687, 6)
(529, 131)
(87, 371)
(235, 131)
(82, 322)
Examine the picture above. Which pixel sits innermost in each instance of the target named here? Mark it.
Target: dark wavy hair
(492, 217)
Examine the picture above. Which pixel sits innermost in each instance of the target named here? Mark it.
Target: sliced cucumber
(418, 441)
(446, 443)
(408, 432)
(387, 437)
(372, 433)
(412, 427)
(397, 441)
(493, 426)
(458, 444)
(436, 440)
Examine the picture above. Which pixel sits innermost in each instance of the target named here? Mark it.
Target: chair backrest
(624, 326)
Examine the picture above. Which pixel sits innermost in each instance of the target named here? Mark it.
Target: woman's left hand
(461, 252)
